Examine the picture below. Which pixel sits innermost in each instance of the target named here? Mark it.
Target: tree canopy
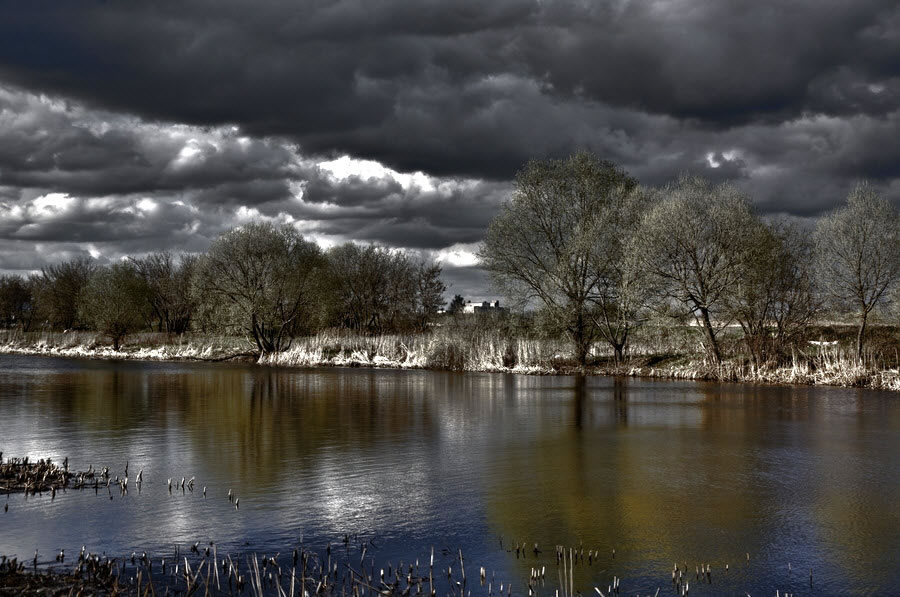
(546, 244)
(693, 244)
(114, 301)
(261, 279)
(858, 255)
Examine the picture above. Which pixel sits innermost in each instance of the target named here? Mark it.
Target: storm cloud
(130, 127)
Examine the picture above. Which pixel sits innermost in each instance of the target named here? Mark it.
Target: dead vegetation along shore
(349, 569)
(664, 354)
(22, 475)
(14, 581)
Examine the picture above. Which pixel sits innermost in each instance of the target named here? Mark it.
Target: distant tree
(429, 293)
(377, 290)
(773, 299)
(169, 285)
(262, 280)
(114, 302)
(546, 245)
(364, 283)
(16, 302)
(858, 255)
(57, 290)
(457, 304)
(692, 245)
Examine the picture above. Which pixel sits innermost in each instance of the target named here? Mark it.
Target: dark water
(660, 472)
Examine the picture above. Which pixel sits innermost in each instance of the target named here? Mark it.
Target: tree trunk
(619, 353)
(860, 334)
(582, 342)
(257, 334)
(711, 336)
(581, 351)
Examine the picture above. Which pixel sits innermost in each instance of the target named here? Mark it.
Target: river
(772, 481)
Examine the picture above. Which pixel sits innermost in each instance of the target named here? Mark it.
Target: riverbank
(830, 364)
(56, 583)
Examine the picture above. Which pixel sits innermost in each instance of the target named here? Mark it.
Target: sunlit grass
(656, 352)
(458, 350)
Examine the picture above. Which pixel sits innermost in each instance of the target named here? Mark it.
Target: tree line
(261, 281)
(580, 245)
(599, 255)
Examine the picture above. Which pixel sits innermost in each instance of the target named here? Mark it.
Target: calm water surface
(657, 471)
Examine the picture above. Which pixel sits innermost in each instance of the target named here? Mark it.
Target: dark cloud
(436, 85)
(114, 186)
(398, 210)
(220, 111)
(46, 143)
(473, 283)
(354, 191)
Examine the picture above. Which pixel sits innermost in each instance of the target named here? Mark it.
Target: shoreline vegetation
(660, 354)
(301, 571)
(603, 276)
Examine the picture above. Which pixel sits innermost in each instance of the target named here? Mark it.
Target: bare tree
(367, 285)
(114, 301)
(429, 293)
(376, 289)
(858, 255)
(58, 288)
(169, 286)
(773, 300)
(262, 279)
(16, 302)
(619, 303)
(547, 242)
(692, 245)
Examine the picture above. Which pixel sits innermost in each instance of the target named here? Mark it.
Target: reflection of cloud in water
(369, 492)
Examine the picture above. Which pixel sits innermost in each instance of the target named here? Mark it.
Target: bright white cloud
(345, 167)
(147, 205)
(52, 205)
(188, 155)
(459, 255)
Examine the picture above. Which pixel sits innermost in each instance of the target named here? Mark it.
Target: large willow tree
(554, 243)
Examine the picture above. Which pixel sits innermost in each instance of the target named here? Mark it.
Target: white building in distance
(482, 307)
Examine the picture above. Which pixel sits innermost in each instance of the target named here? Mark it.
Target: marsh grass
(144, 346)
(659, 351)
(454, 350)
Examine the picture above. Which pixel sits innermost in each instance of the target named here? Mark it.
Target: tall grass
(144, 346)
(657, 352)
(457, 350)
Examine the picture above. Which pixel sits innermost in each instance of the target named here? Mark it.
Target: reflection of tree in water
(583, 408)
(245, 422)
(620, 401)
(675, 475)
(272, 419)
(855, 502)
(752, 408)
(659, 494)
(579, 391)
(111, 399)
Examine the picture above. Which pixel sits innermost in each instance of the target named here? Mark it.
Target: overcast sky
(129, 127)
